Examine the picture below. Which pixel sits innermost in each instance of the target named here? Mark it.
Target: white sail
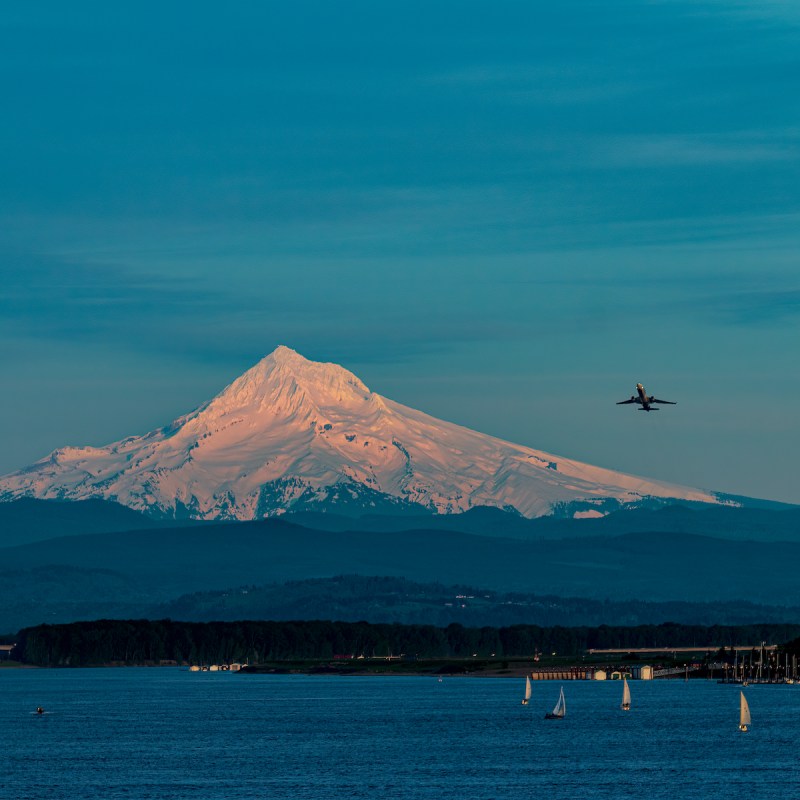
(744, 710)
(626, 694)
(527, 687)
(561, 706)
(560, 711)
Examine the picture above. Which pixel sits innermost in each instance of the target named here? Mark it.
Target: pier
(562, 674)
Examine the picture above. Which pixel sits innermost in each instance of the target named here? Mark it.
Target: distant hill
(69, 595)
(724, 522)
(58, 593)
(167, 562)
(29, 520)
(385, 599)
(117, 562)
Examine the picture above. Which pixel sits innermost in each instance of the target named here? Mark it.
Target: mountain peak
(321, 373)
(285, 356)
(283, 351)
(285, 380)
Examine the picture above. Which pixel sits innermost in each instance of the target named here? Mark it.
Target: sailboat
(744, 712)
(626, 695)
(527, 690)
(560, 711)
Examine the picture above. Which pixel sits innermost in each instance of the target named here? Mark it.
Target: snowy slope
(292, 432)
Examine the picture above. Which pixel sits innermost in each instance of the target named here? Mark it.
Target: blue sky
(505, 215)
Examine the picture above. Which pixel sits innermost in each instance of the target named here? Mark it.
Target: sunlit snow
(291, 429)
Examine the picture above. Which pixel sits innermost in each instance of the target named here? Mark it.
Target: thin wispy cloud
(42, 296)
(657, 150)
(767, 12)
(556, 83)
(765, 307)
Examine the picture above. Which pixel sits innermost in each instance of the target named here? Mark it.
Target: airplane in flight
(644, 400)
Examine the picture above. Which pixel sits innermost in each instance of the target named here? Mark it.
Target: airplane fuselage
(643, 399)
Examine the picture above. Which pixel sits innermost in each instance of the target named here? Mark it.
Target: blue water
(168, 733)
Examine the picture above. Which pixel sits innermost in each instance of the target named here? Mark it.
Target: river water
(168, 733)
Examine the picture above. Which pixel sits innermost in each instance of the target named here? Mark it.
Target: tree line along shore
(148, 642)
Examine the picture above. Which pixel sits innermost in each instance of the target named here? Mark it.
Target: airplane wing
(623, 402)
(666, 402)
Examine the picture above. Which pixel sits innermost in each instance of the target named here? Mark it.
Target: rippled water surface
(168, 733)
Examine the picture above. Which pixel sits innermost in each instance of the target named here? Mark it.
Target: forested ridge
(155, 641)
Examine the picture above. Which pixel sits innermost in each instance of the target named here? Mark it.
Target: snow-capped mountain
(292, 433)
